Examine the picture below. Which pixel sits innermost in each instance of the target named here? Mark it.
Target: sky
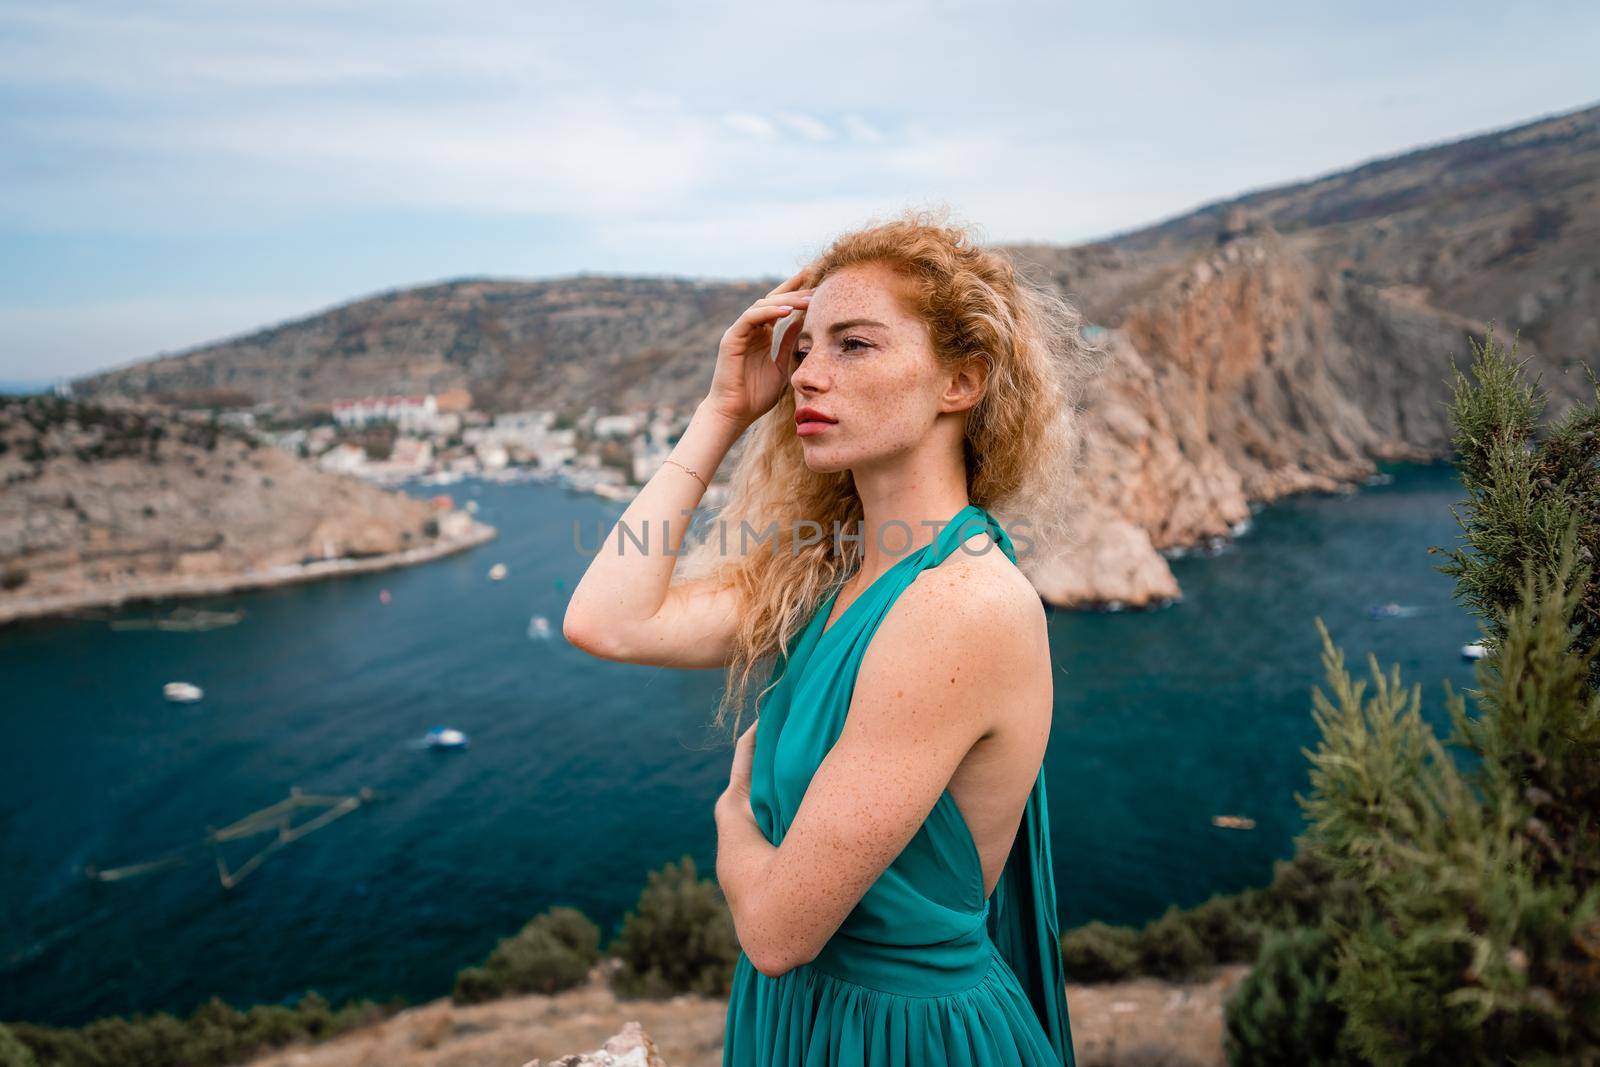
(175, 174)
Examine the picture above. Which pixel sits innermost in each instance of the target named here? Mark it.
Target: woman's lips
(809, 420)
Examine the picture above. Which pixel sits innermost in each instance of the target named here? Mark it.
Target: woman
(883, 841)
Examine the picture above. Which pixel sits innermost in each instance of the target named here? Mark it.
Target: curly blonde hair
(1020, 442)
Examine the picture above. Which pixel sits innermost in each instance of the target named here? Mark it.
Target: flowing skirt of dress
(805, 1018)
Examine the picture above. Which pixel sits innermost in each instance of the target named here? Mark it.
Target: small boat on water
(1234, 822)
(497, 572)
(1392, 610)
(539, 626)
(182, 692)
(445, 737)
(1474, 650)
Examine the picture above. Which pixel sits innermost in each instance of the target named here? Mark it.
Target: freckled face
(877, 377)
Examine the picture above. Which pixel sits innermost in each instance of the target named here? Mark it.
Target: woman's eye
(800, 354)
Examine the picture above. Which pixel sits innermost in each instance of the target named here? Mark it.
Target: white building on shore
(344, 459)
(416, 414)
(530, 433)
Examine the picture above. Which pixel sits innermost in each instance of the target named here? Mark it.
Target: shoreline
(169, 588)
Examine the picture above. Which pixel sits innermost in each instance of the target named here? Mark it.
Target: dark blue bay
(583, 775)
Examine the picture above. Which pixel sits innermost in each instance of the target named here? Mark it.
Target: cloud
(860, 129)
(746, 123)
(808, 127)
(716, 138)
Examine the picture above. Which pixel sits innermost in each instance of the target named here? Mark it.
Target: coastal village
(233, 496)
(438, 439)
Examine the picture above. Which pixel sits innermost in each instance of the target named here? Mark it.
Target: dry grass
(1141, 1023)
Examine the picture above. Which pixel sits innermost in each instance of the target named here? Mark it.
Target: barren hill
(99, 505)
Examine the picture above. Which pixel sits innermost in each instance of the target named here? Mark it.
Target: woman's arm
(943, 668)
(616, 610)
(744, 857)
(624, 607)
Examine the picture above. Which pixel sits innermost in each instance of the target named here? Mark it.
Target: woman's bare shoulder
(975, 600)
(980, 570)
(964, 645)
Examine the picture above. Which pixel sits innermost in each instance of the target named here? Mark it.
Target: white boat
(445, 737)
(182, 692)
(538, 626)
(1474, 650)
(497, 572)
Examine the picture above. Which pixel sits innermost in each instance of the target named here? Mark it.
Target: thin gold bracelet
(697, 478)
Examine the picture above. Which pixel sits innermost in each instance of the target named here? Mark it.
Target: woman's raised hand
(747, 380)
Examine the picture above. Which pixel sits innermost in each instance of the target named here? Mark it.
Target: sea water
(582, 775)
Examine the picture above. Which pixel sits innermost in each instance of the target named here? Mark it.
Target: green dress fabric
(924, 970)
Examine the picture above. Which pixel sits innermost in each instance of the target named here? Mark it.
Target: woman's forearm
(628, 577)
(743, 856)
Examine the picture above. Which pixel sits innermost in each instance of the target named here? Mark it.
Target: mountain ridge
(1282, 341)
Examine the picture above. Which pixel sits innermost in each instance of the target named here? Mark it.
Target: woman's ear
(966, 386)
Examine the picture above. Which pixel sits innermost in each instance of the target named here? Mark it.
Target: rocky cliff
(1239, 375)
(1276, 342)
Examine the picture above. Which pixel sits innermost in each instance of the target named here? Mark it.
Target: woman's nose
(806, 378)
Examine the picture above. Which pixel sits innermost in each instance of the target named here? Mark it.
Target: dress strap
(1023, 925)
(964, 524)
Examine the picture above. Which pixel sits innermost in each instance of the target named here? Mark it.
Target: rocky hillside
(1281, 341)
(567, 343)
(100, 503)
(1504, 225)
(1287, 339)
(1246, 374)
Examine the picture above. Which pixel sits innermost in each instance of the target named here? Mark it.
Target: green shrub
(1170, 948)
(1305, 891)
(214, 1035)
(1281, 1013)
(1481, 940)
(554, 951)
(214, 1032)
(14, 1053)
(678, 939)
(1225, 928)
(1098, 952)
(274, 1025)
(474, 985)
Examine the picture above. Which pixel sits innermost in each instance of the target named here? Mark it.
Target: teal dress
(924, 971)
